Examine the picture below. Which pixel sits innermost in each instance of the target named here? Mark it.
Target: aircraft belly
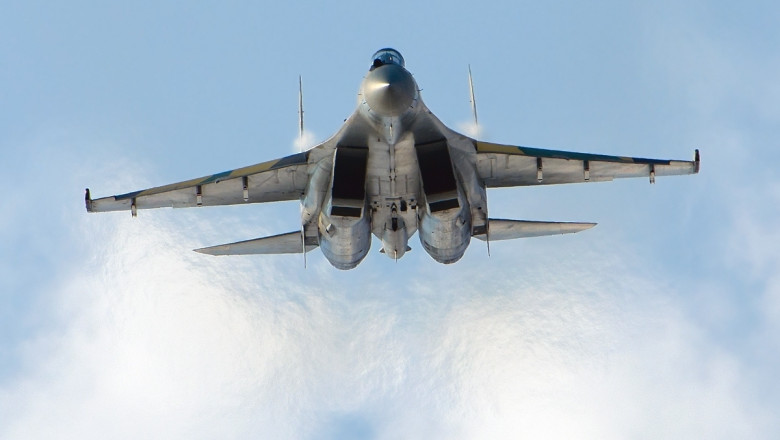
(392, 184)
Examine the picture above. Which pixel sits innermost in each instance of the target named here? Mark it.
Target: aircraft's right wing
(507, 165)
(276, 180)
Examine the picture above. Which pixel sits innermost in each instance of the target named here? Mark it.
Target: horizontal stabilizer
(289, 243)
(509, 229)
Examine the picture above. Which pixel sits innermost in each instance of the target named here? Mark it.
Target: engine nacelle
(344, 226)
(445, 217)
(445, 234)
(344, 240)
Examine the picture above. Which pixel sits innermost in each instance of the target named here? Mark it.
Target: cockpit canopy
(387, 56)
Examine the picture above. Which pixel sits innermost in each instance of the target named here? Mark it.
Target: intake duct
(348, 191)
(438, 178)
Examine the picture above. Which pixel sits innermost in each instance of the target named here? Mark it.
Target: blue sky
(661, 322)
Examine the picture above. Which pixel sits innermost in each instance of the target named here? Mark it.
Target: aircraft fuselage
(381, 148)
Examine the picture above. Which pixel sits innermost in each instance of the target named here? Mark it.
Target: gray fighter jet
(393, 169)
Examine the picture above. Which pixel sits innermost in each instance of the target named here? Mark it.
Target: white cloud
(578, 338)
(151, 340)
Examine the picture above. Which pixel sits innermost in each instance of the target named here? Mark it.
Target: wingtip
(696, 161)
(88, 200)
(579, 227)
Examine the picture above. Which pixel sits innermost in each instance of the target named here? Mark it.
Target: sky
(661, 322)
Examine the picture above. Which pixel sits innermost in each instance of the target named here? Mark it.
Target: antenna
(473, 101)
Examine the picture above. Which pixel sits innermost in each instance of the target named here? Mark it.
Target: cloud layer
(144, 338)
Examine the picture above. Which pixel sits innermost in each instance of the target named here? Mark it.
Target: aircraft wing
(507, 165)
(276, 180)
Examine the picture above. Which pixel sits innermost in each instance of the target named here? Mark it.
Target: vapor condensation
(155, 341)
(305, 142)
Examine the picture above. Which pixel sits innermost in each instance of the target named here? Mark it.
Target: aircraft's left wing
(507, 165)
(276, 180)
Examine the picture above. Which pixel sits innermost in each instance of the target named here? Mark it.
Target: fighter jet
(393, 169)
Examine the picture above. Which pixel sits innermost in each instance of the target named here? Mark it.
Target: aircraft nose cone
(389, 90)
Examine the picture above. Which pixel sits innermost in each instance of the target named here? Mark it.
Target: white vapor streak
(155, 341)
(305, 142)
(471, 129)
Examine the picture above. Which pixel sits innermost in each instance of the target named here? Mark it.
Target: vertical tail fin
(300, 141)
(473, 100)
(300, 111)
